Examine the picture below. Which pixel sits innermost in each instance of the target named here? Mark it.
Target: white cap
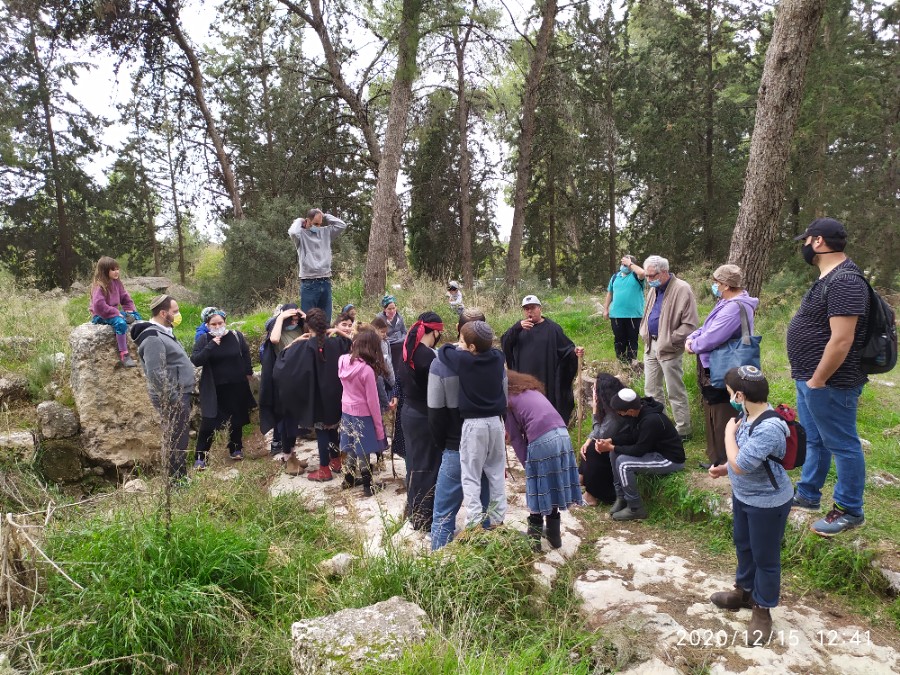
(453, 284)
(530, 300)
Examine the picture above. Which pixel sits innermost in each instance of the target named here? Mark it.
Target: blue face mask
(715, 289)
(656, 283)
(623, 269)
(292, 326)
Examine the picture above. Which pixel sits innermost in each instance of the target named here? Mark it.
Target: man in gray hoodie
(170, 378)
(313, 236)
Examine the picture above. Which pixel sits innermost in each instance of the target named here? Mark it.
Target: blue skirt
(551, 475)
(358, 436)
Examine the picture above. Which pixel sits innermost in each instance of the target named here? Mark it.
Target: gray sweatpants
(482, 449)
(626, 468)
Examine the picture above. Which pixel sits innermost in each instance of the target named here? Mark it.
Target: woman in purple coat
(722, 325)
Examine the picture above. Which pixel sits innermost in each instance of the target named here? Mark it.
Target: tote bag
(742, 351)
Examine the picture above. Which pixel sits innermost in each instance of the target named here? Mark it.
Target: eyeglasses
(652, 276)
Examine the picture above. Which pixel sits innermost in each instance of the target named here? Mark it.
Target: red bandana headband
(419, 328)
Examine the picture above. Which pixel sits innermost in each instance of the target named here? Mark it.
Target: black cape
(545, 352)
(270, 408)
(308, 387)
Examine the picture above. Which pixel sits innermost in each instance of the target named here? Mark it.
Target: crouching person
(761, 499)
(650, 445)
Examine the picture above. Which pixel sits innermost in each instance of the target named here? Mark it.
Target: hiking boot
(200, 465)
(322, 475)
(237, 455)
(293, 466)
(351, 481)
(127, 361)
(335, 464)
(618, 505)
(275, 449)
(734, 599)
(535, 529)
(631, 512)
(370, 488)
(836, 522)
(552, 530)
(804, 504)
(760, 629)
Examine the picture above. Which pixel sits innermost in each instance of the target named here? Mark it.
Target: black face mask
(808, 254)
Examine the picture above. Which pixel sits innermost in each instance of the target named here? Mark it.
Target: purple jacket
(529, 416)
(108, 307)
(722, 324)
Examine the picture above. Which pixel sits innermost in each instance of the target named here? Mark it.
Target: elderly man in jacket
(670, 315)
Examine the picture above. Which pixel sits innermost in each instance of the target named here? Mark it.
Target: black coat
(200, 356)
(307, 381)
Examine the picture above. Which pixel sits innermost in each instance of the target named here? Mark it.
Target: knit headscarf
(388, 299)
(428, 322)
(215, 312)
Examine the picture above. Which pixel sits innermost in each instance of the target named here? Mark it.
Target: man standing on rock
(538, 346)
(670, 315)
(312, 236)
(823, 343)
(170, 378)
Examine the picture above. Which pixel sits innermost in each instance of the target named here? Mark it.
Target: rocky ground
(647, 593)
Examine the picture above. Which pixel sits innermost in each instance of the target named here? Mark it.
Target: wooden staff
(580, 414)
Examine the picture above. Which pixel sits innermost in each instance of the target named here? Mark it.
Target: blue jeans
(757, 540)
(829, 417)
(448, 498)
(316, 293)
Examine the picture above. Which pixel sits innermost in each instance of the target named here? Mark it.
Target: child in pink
(362, 430)
(107, 293)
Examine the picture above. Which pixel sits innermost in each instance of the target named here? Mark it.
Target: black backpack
(878, 353)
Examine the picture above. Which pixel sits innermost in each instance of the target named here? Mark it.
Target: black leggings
(209, 426)
(625, 336)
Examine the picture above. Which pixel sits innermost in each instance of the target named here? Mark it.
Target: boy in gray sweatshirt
(312, 236)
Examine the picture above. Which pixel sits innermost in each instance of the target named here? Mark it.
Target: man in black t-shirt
(823, 343)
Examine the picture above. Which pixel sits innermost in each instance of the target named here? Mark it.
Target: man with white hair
(670, 315)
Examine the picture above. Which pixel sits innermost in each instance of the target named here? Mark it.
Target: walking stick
(580, 414)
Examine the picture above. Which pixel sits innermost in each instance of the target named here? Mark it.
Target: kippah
(751, 374)
(157, 301)
(482, 330)
(626, 399)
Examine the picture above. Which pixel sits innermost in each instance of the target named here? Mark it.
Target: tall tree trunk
(526, 141)
(709, 239)
(65, 254)
(170, 10)
(551, 224)
(462, 121)
(389, 168)
(611, 198)
(777, 108)
(179, 229)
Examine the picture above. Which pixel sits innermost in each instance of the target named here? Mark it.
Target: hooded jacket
(652, 431)
(722, 324)
(168, 368)
(360, 395)
(482, 380)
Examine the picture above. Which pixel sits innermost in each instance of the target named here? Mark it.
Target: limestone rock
(56, 420)
(120, 426)
(157, 284)
(345, 641)
(135, 485)
(16, 445)
(182, 294)
(338, 566)
(60, 460)
(569, 300)
(13, 389)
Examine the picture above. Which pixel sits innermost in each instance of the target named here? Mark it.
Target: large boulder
(120, 427)
(347, 640)
(16, 446)
(157, 284)
(13, 389)
(60, 461)
(56, 420)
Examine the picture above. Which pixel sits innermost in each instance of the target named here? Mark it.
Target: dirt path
(650, 603)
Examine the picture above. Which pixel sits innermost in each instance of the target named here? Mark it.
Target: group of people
(453, 404)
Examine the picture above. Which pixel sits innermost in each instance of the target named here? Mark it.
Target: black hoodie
(482, 380)
(652, 431)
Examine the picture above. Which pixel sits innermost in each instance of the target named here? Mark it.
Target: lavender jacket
(529, 416)
(722, 324)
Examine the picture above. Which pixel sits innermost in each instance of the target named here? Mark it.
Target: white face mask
(218, 332)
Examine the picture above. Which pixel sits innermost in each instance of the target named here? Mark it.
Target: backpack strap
(765, 415)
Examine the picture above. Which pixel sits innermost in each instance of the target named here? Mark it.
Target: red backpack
(795, 452)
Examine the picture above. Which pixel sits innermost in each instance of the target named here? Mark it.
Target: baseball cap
(530, 300)
(824, 227)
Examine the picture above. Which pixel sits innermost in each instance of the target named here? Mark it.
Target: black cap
(824, 227)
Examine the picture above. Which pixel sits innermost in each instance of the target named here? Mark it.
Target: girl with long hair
(595, 466)
(107, 294)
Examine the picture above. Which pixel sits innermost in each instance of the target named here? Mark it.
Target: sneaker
(237, 455)
(836, 522)
(128, 362)
(805, 504)
(200, 465)
(631, 513)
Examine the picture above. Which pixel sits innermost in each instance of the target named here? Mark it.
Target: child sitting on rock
(107, 293)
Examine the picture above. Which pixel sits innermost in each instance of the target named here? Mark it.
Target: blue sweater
(753, 486)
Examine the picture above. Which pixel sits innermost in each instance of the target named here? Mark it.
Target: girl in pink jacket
(362, 430)
(107, 293)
